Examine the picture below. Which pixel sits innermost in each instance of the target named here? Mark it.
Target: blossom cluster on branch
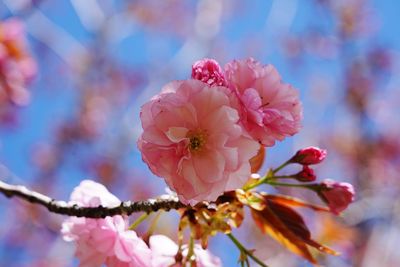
(206, 137)
(112, 242)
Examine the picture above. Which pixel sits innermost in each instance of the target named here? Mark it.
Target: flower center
(197, 139)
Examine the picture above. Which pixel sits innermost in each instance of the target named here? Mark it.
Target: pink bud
(309, 155)
(208, 71)
(306, 175)
(337, 195)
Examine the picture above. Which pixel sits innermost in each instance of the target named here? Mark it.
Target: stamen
(197, 139)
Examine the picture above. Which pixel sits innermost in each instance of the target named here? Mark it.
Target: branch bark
(61, 207)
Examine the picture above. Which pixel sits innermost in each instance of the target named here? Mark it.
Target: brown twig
(61, 207)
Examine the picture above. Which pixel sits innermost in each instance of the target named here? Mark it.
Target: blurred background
(77, 72)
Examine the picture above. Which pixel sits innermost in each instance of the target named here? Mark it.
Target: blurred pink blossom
(192, 138)
(208, 71)
(105, 240)
(271, 109)
(17, 67)
(337, 195)
(164, 251)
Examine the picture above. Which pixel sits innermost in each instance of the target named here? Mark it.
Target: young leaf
(257, 161)
(296, 224)
(287, 227)
(293, 202)
(270, 224)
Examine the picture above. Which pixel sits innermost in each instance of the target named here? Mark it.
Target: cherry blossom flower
(309, 155)
(271, 110)
(92, 194)
(337, 195)
(164, 250)
(208, 71)
(192, 138)
(105, 240)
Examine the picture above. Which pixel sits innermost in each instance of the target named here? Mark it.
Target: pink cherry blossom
(92, 194)
(309, 155)
(271, 110)
(164, 250)
(337, 195)
(113, 239)
(192, 138)
(105, 240)
(208, 71)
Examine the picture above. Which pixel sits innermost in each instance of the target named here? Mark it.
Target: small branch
(139, 220)
(293, 176)
(308, 186)
(281, 167)
(245, 251)
(61, 207)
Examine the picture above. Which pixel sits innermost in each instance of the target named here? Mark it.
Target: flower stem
(190, 257)
(260, 181)
(139, 220)
(284, 177)
(281, 167)
(267, 179)
(244, 250)
(254, 185)
(270, 176)
(308, 186)
(153, 224)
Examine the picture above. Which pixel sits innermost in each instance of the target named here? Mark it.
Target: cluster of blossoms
(200, 134)
(204, 136)
(17, 67)
(110, 241)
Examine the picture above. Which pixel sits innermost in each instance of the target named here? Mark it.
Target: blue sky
(158, 54)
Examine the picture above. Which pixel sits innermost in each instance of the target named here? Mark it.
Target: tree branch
(61, 207)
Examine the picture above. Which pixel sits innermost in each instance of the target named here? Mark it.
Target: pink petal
(209, 167)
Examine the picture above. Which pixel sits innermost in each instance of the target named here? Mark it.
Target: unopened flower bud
(208, 71)
(309, 155)
(306, 175)
(336, 195)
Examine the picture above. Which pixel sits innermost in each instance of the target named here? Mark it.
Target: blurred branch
(90, 14)
(66, 46)
(61, 207)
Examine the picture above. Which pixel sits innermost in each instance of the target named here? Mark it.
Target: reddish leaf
(291, 219)
(322, 248)
(294, 202)
(287, 227)
(296, 224)
(271, 224)
(257, 161)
